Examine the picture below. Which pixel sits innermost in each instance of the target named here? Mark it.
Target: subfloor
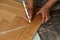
(51, 29)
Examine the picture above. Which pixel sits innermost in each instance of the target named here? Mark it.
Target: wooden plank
(11, 10)
(12, 3)
(1, 19)
(14, 23)
(6, 15)
(3, 24)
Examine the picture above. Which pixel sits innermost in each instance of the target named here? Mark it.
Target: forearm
(49, 4)
(30, 4)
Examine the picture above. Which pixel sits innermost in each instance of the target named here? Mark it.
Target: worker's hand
(30, 11)
(30, 8)
(45, 14)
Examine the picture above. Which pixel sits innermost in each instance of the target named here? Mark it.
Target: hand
(45, 14)
(30, 11)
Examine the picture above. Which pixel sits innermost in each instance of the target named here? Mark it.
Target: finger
(43, 18)
(26, 17)
(47, 18)
(38, 13)
(30, 17)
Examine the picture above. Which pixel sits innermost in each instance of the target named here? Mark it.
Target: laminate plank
(6, 15)
(3, 25)
(12, 3)
(12, 10)
(1, 19)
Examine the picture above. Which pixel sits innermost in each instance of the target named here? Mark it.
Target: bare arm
(49, 4)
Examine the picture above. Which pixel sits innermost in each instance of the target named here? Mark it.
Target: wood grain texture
(12, 16)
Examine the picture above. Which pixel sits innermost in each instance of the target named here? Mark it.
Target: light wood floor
(11, 17)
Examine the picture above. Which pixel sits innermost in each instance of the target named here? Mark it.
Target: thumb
(38, 13)
(30, 16)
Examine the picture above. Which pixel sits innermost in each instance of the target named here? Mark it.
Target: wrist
(53, 0)
(45, 8)
(30, 4)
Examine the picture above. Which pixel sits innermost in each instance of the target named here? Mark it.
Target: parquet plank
(12, 3)
(3, 25)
